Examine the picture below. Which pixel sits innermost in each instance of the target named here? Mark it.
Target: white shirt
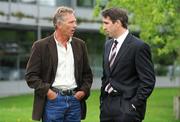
(120, 41)
(64, 78)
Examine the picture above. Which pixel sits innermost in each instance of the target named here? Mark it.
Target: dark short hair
(116, 14)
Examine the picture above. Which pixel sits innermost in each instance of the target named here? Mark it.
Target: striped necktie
(113, 53)
(108, 87)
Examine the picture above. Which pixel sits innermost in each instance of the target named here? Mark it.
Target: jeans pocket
(75, 98)
(52, 99)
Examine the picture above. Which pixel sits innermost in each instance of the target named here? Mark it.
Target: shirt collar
(122, 37)
(59, 43)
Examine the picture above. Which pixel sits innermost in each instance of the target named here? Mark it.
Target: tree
(157, 24)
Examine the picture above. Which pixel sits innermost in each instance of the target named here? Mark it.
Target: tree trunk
(177, 107)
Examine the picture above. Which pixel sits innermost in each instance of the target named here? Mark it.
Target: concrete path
(10, 88)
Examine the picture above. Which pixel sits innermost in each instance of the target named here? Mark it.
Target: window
(85, 3)
(28, 1)
(15, 46)
(47, 2)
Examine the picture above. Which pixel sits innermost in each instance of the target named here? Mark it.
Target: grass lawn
(160, 107)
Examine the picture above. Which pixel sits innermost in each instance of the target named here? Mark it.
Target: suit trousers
(117, 109)
(62, 109)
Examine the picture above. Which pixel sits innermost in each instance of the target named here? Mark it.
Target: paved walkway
(10, 88)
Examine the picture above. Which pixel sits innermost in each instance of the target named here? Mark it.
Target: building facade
(24, 21)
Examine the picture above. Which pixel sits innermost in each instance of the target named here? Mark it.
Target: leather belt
(68, 92)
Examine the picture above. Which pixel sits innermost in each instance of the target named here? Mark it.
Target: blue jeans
(62, 109)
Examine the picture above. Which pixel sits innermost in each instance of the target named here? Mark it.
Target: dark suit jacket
(42, 66)
(132, 73)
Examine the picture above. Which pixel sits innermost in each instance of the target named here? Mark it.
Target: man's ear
(59, 24)
(119, 22)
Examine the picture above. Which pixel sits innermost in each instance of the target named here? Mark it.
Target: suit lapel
(121, 51)
(76, 55)
(107, 53)
(53, 52)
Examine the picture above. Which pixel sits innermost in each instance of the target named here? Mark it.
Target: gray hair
(60, 13)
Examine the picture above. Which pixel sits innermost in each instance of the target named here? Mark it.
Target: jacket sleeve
(87, 77)
(145, 71)
(33, 71)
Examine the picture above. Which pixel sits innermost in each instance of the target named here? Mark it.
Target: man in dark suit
(59, 71)
(128, 73)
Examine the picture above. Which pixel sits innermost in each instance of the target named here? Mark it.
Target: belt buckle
(63, 92)
(67, 92)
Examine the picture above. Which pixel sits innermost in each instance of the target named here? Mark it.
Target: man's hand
(79, 95)
(51, 95)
